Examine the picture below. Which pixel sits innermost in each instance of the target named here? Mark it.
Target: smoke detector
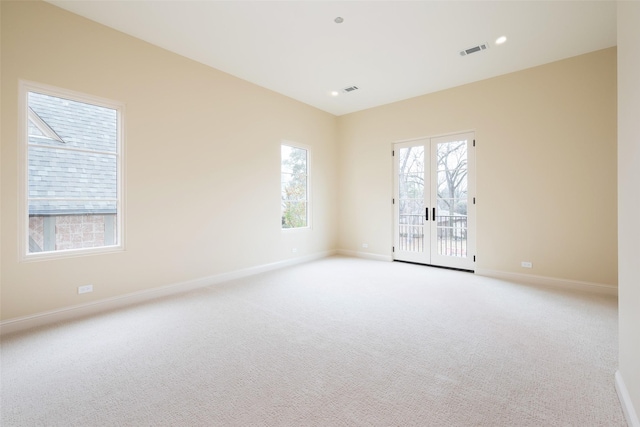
(474, 49)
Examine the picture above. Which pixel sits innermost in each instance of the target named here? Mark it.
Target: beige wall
(202, 162)
(546, 167)
(629, 197)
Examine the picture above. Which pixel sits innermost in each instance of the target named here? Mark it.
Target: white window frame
(24, 87)
(309, 204)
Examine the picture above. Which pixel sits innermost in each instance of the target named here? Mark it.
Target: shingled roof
(77, 169)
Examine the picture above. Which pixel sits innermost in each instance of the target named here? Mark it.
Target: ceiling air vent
(480, 47)
(350, 89)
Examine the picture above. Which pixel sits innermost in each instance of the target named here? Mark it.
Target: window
(72, 151)
(294, 181)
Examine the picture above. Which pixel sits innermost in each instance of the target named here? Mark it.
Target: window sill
(297, 229)
(70, 253)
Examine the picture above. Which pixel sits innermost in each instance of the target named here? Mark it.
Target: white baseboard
(530, 279)
(365, 255)
(625, 400)
(81, 310)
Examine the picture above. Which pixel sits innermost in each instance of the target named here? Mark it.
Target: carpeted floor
(336, 342)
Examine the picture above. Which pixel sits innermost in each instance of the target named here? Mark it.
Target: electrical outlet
(526, 264)
(294, 250)
(85, 289)
(365, 245)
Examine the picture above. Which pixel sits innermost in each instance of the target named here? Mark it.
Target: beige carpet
(337, 342)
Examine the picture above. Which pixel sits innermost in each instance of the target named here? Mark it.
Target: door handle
(433, 217)
(426, 214)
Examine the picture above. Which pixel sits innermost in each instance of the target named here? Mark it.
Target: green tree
(294, 187)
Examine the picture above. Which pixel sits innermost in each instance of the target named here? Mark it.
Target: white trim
(79, 150)
(625, 401)
(71, 253)
(24, 87)
(71, 95)
(95, 307)
(365, 255)
(77, 200)
(531, 279)
(434, 136)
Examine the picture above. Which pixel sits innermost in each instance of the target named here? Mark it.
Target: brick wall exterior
(71, 231)
(36, 229)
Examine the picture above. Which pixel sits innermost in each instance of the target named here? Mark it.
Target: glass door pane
(434, 213)
(411, 240)
(451, 208)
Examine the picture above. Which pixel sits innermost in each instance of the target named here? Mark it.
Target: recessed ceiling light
(501, 40)
(334, 93)
(338, 20)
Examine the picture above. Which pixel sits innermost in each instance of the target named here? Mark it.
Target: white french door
(434, 202)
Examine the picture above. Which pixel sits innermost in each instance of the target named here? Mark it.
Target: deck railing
(451, 234)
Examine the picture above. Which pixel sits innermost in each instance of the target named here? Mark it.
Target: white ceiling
(391, 50)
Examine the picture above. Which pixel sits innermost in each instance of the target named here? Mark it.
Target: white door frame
(437, 232)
